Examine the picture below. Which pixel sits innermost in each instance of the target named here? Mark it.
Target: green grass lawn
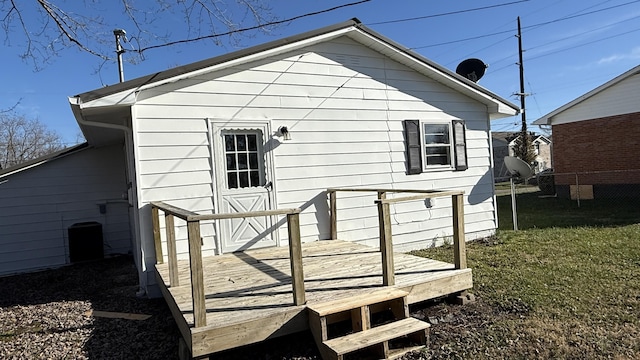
(567, 285)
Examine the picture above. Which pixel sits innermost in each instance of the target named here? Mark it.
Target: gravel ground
(45, 315)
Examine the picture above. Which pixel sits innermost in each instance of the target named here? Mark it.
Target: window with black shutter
(460, 145)
(413, 145)
(435, 145)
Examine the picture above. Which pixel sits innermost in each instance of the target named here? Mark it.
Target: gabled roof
(42, 160)
(124, 93)
(505, 136)
(510, 136)
(546, 119)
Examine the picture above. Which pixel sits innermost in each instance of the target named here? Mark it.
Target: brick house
(597, 139)
(503, 143)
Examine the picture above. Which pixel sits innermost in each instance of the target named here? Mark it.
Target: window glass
(243, 154)
(437, 144)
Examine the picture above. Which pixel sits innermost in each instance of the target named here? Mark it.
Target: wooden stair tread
(339, 305)
(398, 353)
(376, 335)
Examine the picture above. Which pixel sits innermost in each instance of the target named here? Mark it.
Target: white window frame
(424, 145)
(416, 146)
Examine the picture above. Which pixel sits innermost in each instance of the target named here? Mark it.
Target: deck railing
(195, 249)
(384, 219)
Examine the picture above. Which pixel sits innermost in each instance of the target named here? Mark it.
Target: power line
(530, 27)
(462, 40)
(561, 39)
(584, 44)
(445, 14)
(580, 15)
(500, 41)
(570, 48)
(252, 27)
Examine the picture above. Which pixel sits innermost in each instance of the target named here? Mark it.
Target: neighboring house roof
(508, 137)
(548, 118)
(505, 136)
(42, 160)
(124, 94)
(542, 139)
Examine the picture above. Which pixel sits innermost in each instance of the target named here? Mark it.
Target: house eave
(548, 118)
(42, 160)
(125, 94)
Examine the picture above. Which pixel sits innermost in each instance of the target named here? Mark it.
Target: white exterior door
(243, 184)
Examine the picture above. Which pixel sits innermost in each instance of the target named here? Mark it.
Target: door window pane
(229, 143)
(232, 180)
(244, 179)
(244, 162)
(255, 177)
(252, 141)
(241, 141)
(231, 162)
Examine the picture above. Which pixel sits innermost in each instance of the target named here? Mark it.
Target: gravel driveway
(47, 315)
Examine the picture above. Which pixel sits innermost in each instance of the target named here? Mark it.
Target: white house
(275, 125)
(41, 200)
(504, 144)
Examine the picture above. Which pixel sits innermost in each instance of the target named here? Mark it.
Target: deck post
(381, 196)
(197, 277)
(155, 221)
(295, 258)
(386, 245)
(459, 250)
(333, 209)
(171, 249)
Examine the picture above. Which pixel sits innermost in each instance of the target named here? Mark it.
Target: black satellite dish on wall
(472, 69)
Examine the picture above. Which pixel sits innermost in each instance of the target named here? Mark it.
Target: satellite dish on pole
(472, 69)
(518, 170)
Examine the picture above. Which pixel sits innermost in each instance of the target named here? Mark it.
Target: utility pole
(524, 136)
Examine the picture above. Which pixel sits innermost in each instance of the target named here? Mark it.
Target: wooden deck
(248, 295)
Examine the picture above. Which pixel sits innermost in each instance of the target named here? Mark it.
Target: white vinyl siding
(343, 105)
(38, 205)
(621, 98)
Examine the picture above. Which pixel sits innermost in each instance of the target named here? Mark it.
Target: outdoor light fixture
(284, 132)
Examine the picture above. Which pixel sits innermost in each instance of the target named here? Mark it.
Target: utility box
(85, 241)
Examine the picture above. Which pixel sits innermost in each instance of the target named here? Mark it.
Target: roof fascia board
(43, 159)
(548, 118)
(173, 74)
(129, 97)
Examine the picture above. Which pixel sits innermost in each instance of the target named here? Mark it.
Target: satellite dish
(517, 168)
(472, 69)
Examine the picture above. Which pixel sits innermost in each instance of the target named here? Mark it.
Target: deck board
(253, 288)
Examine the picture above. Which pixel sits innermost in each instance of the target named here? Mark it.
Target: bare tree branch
(241, 30)
(43, 29)
(23, 139)
(67, 26)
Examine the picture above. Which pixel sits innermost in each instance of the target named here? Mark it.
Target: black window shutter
(460, 145)
(414, 147)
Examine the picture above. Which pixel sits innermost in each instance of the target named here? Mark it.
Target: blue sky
(570, 47)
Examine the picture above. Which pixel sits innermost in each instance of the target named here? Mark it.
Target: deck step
(341, 305)
(379, 337)
(364, 334)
